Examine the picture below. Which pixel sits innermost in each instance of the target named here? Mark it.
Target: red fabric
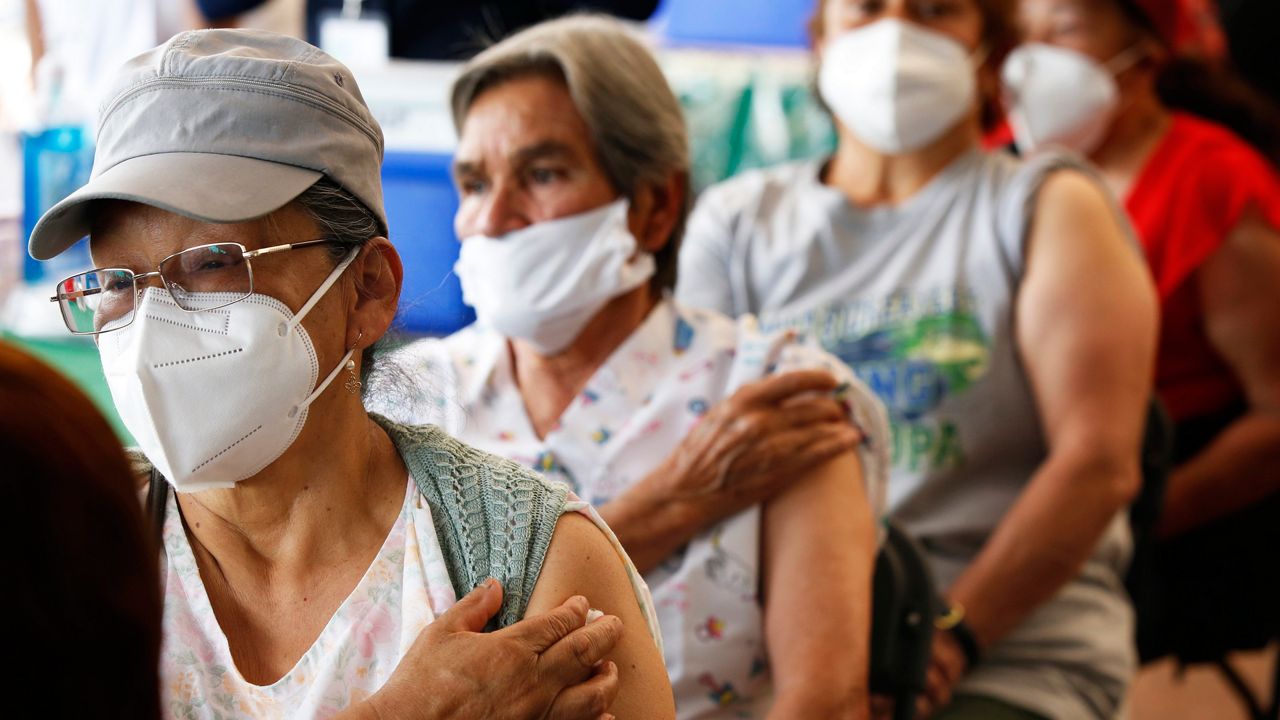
(998, 137)
(1189, 27)
(1191, 194)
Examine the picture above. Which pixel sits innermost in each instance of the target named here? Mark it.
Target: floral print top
(631, 415)
(405, 588)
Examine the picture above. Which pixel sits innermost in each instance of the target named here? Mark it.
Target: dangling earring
(353, 384)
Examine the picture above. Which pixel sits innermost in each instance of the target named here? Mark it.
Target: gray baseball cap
(224, 126)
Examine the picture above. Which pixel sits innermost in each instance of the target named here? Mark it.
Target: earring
(353, 384)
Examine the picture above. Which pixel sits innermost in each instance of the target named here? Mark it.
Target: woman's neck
(549, 384)
(331, 495)
(1135, 134)
(868, 177)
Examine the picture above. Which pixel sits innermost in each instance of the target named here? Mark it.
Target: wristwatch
(952, 620)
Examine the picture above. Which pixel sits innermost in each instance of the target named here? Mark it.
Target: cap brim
(202, 186)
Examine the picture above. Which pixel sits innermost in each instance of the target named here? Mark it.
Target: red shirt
(1188, 198)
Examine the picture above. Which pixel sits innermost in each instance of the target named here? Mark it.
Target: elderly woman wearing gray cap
(235, 216)
(572, 167)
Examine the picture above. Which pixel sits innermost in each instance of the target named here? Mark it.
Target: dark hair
(82, 589)
(999, 36)
(1211, 90)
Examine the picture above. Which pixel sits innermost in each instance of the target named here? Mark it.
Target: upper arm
(819, 551)
(1086, 319)
(1240, 295)
(704, 274)
(582, 561)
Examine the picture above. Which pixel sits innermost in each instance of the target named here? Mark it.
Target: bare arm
(1240, 294)
(581, 561)
(743, 451)
(819, 551)
(1086, 329)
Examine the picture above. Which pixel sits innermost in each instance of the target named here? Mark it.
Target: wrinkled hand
(750, 445)
(546, 667)
(947, 665)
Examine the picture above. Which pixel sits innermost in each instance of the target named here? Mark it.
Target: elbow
(1114, 477)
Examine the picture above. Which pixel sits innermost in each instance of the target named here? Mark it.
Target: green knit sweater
(493, 517)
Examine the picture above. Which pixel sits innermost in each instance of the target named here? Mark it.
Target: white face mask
(897, 86)
(213, 397)
(543, 283)
(1056, 96)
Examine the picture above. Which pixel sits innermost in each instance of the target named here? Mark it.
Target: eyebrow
(538, 151)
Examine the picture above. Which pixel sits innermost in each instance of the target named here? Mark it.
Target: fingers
(575, 657)
(809, 410)
(540, 632)
(804, 448)
(776, 388)
(591, 699)
(937, 689)
(473, 611)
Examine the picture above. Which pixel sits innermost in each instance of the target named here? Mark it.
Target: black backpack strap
(157, 501)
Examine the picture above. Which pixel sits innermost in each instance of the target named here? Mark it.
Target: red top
(1188, 198)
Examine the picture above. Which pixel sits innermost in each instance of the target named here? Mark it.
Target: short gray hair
(635, 120)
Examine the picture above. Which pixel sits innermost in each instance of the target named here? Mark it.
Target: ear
(656, 209)
(378, 276)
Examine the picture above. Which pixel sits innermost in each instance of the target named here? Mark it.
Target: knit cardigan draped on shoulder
(493, 517)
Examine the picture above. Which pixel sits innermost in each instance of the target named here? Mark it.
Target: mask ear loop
(286, 328)
(1125, 59)
(342, 365)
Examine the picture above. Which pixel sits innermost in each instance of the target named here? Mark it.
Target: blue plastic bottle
(56, 161)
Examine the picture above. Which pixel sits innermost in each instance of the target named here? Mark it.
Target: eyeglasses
(105, 299)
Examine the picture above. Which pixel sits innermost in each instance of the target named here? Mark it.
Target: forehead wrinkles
(516, 114)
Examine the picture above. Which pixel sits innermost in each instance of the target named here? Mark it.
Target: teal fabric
(494, 518)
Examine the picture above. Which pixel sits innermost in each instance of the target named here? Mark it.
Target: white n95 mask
(1061, 97)
(895, 85)
(543, 283)
(214, 396)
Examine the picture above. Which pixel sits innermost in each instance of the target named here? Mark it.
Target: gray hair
(341, 217)
(636, 123)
